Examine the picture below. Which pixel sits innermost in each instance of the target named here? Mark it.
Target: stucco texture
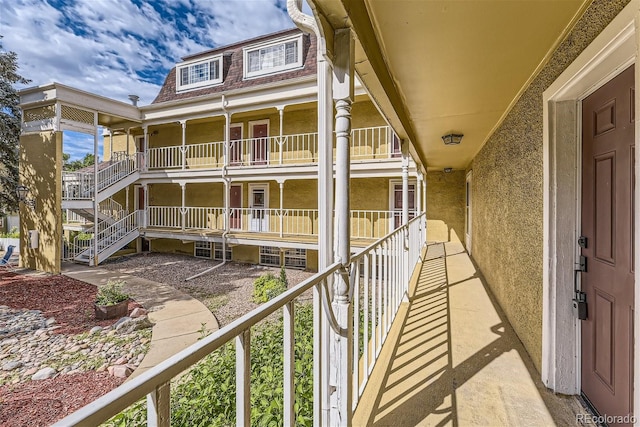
(41, 173)
(445, 206)
(507, 190)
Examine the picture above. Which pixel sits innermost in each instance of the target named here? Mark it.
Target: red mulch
(40, 403)
(70, 302)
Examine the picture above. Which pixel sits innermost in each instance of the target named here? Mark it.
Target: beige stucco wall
(248, 254)
(172, 246)
(41, 173)
(445, 206)
(507, 190)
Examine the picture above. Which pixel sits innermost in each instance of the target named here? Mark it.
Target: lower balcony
(293, 224)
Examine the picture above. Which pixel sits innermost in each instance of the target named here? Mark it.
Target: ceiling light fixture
(452, 138)
(448, 170)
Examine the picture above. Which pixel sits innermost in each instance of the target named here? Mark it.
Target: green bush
(206, 395)
(111, 293)
(268, 286)
(11, 234)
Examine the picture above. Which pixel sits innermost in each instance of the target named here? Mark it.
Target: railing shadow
(422, 384)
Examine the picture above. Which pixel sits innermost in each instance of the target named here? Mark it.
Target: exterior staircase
(111, 239)
(116, 228)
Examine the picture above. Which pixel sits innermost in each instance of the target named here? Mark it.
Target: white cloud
(119, 47)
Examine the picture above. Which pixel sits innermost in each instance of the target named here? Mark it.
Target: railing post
(342, 343)
(183, 148)
(281, 213)
(289, 365)
(183, 208)
(280, 140)
(404, 276)
(243, 379)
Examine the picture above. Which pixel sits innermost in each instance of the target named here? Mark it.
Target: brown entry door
(607, 212)
(397, 204)
(235, 205)
(259, 144)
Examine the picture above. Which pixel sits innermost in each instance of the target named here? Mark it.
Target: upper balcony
(367, 144)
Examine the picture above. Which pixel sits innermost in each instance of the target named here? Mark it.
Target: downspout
(321, 356)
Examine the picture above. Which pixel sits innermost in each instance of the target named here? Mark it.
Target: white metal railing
(164, 157)
(302, 148)
(110, 234)
(193, 218)
(81, 185)
(373, 143)
(379, 278)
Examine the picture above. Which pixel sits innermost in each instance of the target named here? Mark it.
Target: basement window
(217, 252)
(202, 250)
(295, 258)
(283, 55)
(270, 255)
(199, 73)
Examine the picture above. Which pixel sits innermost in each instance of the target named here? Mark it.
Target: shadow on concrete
(457, 360)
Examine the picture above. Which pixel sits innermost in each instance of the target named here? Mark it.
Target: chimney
(134, 100)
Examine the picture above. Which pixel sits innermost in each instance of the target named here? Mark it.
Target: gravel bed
(226, 291)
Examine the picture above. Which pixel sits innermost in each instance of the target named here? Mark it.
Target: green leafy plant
(267, 287)
(14, 233)
(111, 293)
(205, 396)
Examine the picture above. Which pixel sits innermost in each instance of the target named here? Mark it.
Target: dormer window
(269, 58)
(199, 73)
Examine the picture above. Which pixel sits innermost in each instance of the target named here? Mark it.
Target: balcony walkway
(452, 358)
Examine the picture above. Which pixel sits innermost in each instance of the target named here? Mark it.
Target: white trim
(392, 208)
(237, 184)
(136, 203)
(468, 229)
(273, 70)
(610, 53)
(264, 227)
(188, 64)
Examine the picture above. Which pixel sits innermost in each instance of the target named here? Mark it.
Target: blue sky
(119, 47)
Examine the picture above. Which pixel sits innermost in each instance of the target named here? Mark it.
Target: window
(270, 255)
(202, 250)
(217, 252)
(273, 58)
(295, 258)
(195, 74)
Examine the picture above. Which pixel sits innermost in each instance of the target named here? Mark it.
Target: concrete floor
(453, 359)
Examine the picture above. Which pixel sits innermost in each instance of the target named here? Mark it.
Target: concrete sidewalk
(452, 358)
(178, 317)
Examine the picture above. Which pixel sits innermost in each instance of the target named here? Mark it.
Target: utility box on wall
(33, 239)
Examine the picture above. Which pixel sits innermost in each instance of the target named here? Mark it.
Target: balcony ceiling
(452, 65)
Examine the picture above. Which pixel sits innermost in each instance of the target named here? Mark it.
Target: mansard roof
(232, 69)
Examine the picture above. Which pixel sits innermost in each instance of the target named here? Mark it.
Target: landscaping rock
(134, 325)
(95, 330)
(120, 371)
(138, 312)
(10, 366)
(44, 373)
(121, 321)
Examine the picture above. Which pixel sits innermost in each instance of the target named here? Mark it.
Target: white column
(418, 193)
(183, 149)
(227, 138)
(341, 370)
(144, 154)
(128, 141)
(145, 190)
(280, 140)
(96, 138)
(281, 213)
(110, 144)
(126, 199)
(405, 182)
(183, 209)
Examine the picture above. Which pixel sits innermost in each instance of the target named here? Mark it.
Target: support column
(128, 141)
(280, 140)
(145, 189)
(341, 370)
(110, 144)
(183, 209)
(405, 182)
(418, 193)
(281, 213)
(126, 200)
(227, 138)
(183, 149)
(96, 139)
(144, 154)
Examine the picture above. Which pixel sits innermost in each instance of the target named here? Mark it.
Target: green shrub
(206, 395)
(111, 293)
(14, 233)
(267, 287)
